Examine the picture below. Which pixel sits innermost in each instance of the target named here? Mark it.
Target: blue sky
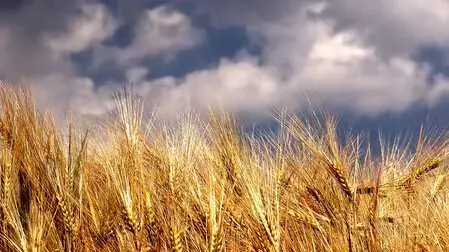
(376, 64)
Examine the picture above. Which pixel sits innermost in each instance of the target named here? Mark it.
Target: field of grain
(130, 184)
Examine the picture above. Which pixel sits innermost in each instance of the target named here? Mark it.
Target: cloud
(349, 54)
(136, 74)
(248, 12)
(354, 78)
(310, 55)
(160, 31)
(38, 50)
(60, 93)
(235, 85)
(36, 40)
(90, 27)
(34, 34)
(339, 69)
(392, 26)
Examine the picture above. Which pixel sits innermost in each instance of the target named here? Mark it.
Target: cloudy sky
(376, 63)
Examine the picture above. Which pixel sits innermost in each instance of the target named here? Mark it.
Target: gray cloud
(92, 26)
(393, 26)
(248, 12)
(25, 30)
(11, 5)
(37, 39)
(347, 53)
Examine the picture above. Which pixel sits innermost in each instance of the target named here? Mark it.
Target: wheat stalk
(176, 235)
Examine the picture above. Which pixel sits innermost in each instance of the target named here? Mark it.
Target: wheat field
(134, 184)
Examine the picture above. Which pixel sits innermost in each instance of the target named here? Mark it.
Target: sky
(380, 64)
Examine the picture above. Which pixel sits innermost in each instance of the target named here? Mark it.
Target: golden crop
(205, 185)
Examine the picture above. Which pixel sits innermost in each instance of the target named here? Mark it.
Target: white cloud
(351, 54)
(360, 66)
(59, 94)
(160, 31)
(92, 26)
(309, 56)
(339, 69)
(33, 43)
(234, 85)
(136, 74)
(37, 50)
(355, 80)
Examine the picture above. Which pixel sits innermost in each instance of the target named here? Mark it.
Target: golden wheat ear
(208, 185)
